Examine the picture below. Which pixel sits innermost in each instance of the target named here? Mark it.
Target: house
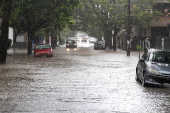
(160, 27)
(158, 36)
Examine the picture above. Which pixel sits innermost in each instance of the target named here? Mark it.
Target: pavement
(16, 51)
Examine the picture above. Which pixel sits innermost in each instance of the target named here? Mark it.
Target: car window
(84, 41)
(43, 47)
(161, 57)
(70, 41)
(144, 56)
(168, 57)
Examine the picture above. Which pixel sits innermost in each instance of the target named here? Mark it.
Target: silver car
(154, 67)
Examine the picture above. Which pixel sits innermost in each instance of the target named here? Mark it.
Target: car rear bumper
(42, 54)
(99, 46)
(71, 46)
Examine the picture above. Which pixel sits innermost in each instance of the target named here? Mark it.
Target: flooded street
(83, 81)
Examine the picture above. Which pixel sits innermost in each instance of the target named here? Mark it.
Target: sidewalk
(132, 53)
(136, 53)
(13, 51)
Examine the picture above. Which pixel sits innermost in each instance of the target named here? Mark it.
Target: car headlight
(154, 71)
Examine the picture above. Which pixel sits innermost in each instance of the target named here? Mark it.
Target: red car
(43, 50)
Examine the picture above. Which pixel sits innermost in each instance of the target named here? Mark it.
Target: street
(82, 81)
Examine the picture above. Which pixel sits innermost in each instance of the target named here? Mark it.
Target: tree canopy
(32, 16)
(105, 18)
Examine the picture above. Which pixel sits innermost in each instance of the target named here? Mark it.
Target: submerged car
(43, 50)
(71, 44)
(99, 45)
(154, 67)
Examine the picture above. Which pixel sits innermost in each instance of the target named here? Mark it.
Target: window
(43, 47)
(83, 40)
(161, 57)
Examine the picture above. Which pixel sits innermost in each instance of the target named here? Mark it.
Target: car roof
(43, 45)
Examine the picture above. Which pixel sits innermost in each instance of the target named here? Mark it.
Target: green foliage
(95, 16)
(35, 15)
(98, 15)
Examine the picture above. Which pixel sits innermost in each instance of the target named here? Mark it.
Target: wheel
(143, 81)
(137, 75)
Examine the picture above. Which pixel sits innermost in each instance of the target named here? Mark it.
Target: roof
(161, 22)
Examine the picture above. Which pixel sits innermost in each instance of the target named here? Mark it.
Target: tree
(31, 16)
(102, 17)
(47, 15)
(5, 12)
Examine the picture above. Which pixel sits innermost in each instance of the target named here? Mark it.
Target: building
(157, 36)
(160, 26)
(21, 40)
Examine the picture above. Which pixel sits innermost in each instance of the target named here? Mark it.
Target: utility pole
(128, 29)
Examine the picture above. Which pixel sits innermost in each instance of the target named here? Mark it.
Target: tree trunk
(4, 41)
(114, 38)
(108, 38)
(15, 37)
(114, 42)
(59, 37)
(29, 45)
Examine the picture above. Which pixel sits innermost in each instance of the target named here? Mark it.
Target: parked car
(99, 44)
(43, 50)
(154, 67)
(71, 44)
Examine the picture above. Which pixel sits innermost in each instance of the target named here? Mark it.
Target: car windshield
(84, 41)
(42, 46)
(161, 57)
(70, 41)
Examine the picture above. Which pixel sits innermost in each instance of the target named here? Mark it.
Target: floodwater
(82, 81)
